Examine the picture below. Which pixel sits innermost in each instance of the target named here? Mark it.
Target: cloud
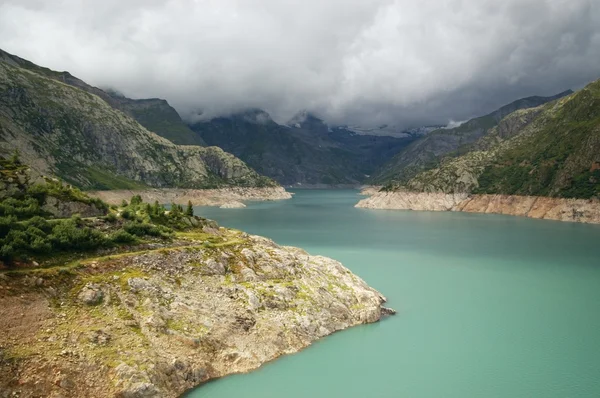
(454, 123)
(405, 62)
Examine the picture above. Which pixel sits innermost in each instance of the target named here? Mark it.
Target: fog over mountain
(402, 62)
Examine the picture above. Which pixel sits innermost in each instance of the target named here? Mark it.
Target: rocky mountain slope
(551, 150)
(154, 114)
(306, 152)
(158, 116)
(78, 136)
(427, 152)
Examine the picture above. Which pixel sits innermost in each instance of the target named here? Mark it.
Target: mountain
(304, 152)
(426, 153)
(551, 150)
(62, 126)
(154, 114)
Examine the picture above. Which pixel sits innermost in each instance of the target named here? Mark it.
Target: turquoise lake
(488, 305)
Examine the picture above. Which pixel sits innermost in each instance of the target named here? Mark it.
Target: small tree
(190, 210)
(175, 212)
(14, 159)
(136, 200)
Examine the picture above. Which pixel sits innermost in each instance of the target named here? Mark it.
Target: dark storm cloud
(408, 62)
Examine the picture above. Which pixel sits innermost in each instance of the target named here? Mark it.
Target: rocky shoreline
(160, 321)
(561, 209)
(198, 197)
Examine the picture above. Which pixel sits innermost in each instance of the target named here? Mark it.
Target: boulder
(91, 294)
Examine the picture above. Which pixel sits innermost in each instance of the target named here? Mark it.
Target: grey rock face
(65, 209)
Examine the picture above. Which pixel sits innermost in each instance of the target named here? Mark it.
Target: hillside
(427, 152)
(154, 114)
(307, 152)
(63, 130)
(552, 150)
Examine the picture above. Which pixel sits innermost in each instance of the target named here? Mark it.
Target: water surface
(488, 305)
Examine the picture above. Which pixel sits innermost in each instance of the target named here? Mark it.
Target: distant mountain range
(304, 152)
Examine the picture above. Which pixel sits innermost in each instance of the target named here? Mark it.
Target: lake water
(488, 305)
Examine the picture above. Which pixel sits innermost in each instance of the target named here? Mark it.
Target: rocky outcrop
(370, 190)
(561, 209)
(64, 209)
(198, 197)
(412, 201)
(159, 322)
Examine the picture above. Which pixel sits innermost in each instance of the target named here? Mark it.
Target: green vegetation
(558, 155)
(23, 200)
(28, 232)
(106, 180)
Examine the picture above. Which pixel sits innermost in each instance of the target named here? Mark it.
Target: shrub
(111, 217)
(69, 235)
(127, 214)
(145, 229)
(122, 237)
(6, 224)
(136, 200)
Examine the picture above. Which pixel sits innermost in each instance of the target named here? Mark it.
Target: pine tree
(190, 210)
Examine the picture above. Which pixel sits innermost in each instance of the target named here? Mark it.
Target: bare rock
(233, 205)
(140, 390)
(91, 294)
(213, 267)
(100, 337)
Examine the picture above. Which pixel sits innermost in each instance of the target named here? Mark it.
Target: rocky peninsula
(161, 318)
(561, 209)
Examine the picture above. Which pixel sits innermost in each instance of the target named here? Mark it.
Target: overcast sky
(408, 62)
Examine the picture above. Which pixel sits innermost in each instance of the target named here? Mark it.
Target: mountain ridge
(79, 136)
(167, 123)
(552, 150)
(427, 152)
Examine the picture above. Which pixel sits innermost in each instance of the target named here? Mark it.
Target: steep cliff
(64, 131)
